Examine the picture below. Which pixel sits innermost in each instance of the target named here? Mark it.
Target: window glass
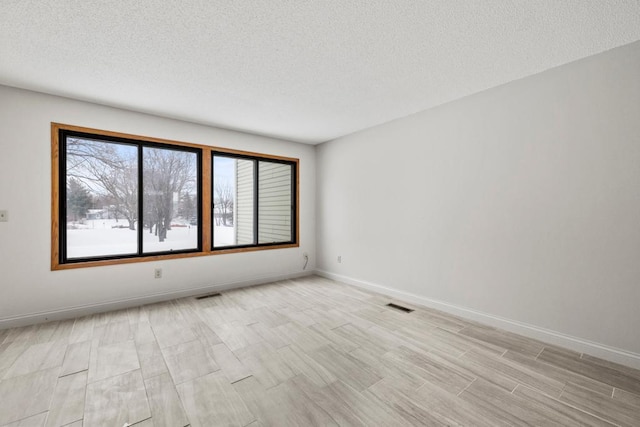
(170, 200)
(101, 186)
(274, 202)
(253, 201)
(233, 201)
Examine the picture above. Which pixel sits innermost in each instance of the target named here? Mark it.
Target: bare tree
(109, 169)
(166, 174)
(223, 203)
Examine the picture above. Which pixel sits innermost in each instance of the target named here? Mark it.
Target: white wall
(517, 205)
(28, 287)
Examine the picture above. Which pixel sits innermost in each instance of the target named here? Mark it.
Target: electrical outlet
(157, 273)
(4, 216)
(339, 259)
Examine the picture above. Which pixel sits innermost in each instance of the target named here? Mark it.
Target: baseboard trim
(84, 310)
(602, 351)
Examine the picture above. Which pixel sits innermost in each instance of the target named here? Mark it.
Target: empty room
(331, 213)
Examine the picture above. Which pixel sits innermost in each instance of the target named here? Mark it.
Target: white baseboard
(84, 310)
(602, 351)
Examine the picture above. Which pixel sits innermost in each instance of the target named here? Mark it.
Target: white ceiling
(304, 70)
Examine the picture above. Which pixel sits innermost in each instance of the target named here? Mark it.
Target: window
(253, 201)
(123, 198)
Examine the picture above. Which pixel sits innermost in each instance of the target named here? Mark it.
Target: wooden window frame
(206, 207)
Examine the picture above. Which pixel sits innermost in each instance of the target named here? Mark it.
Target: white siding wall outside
(244, 202)
(274, 202)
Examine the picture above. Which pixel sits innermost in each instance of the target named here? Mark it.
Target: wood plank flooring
(302, 352)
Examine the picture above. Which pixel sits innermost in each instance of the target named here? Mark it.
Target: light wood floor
(303, 352)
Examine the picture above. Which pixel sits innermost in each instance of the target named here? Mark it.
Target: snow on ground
(223, 236)
(99, 238)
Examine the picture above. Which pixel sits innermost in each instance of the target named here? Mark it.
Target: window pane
(101, 198)
(274, 202)
(170, 200)
(233, 201)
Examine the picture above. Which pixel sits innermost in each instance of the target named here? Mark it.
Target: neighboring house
(243, 204)
(97, 214)
(274, 204)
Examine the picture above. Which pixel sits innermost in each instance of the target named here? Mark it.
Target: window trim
(205, 196)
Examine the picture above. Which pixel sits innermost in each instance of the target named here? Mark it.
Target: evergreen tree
(188, 208)
(79, 199)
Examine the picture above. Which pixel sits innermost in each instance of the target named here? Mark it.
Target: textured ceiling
(308, 71)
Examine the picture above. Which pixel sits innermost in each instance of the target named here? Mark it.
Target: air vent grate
(217, 294)
(399, 307)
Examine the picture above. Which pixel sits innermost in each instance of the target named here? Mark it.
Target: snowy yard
(102, 237)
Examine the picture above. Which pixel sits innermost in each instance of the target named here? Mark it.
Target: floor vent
(399, 307)
(217, 294)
